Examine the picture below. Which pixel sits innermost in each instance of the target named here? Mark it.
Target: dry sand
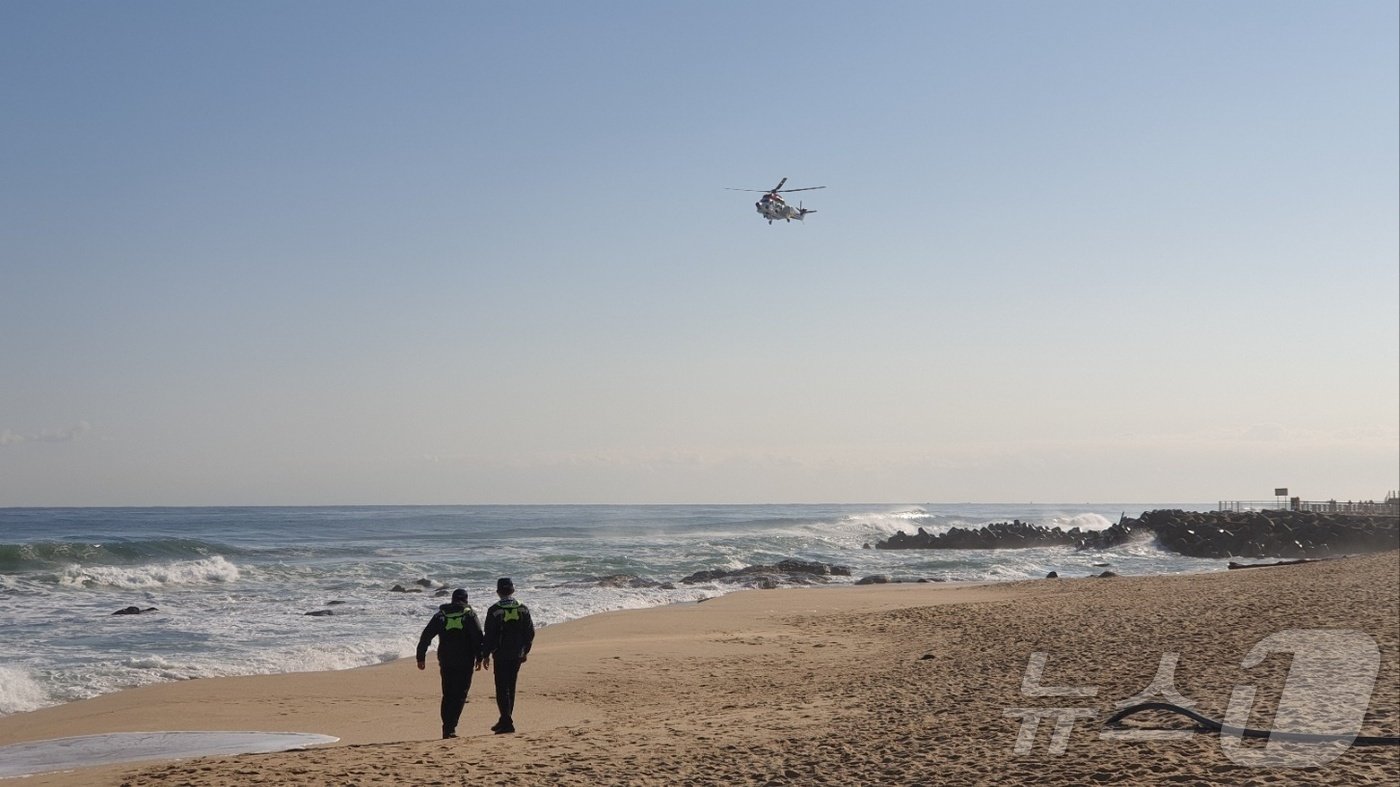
(894, 684)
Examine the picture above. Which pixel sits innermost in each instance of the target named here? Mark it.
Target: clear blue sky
(461, 252)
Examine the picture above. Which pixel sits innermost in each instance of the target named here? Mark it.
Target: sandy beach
(885, 684)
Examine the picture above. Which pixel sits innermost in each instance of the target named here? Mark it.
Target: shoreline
(834, 586)
(662, 692)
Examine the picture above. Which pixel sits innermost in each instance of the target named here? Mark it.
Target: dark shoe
(501, 730)
(448, 734)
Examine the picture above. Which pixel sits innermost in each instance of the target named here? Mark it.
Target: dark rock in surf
(812, 567)
(319, 613)
(874, 579)
(789, 572)
(133, 611)
(624, 581)
(705, 576)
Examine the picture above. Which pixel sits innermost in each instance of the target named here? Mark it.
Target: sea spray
(20, 692)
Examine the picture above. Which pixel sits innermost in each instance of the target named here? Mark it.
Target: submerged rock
(623, 581)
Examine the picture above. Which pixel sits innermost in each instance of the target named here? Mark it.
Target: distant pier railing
(1389, 507)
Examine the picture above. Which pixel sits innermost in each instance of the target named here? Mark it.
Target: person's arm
(527, 634)
(476, 640)
(491, 639)
(429, 631)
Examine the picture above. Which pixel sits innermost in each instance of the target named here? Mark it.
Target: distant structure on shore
(1390, 505)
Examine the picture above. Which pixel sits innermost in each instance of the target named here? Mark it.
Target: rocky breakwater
(1281, 534)
(1009, 535)
(1213, 534)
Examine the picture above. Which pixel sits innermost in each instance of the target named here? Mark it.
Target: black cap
(504, 585)
(459, 596)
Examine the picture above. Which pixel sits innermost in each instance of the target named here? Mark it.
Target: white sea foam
(20, 692)
(315, 658)
(185, 572)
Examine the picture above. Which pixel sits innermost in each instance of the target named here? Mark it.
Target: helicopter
(773, 207)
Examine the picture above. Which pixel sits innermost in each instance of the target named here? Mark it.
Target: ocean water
(231, 586)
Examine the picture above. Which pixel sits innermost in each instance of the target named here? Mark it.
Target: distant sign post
(1281, 492)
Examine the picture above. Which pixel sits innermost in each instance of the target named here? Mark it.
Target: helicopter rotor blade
(760, 191)
(780, 185)
(808, 188)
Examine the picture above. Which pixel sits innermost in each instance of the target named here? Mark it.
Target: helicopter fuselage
(774, 208)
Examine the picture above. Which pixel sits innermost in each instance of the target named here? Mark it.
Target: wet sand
(892, 684)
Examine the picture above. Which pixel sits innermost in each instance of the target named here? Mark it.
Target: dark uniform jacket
(509, 630)
(459, 636)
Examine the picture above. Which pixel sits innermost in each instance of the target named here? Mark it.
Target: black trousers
(456, 682)
(506, 671)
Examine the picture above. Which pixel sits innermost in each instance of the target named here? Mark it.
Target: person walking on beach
(509, 634)
(459, 648)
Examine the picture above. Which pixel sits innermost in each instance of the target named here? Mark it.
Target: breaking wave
(42, 555)
(214, 570)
